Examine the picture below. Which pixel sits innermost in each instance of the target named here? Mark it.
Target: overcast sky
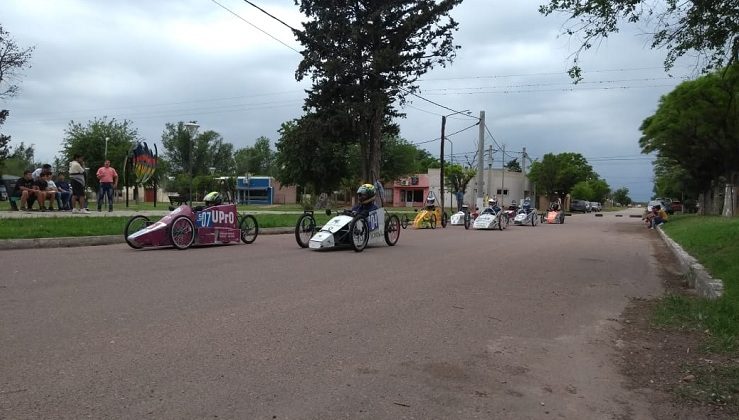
(155, 62)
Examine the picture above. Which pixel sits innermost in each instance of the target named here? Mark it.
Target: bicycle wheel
(444, 219)
(404, 221)
(392, 230)
(467, 221)
(182, 232)
(135, 224)
(432, 221)
(359, 233)
(305, 229)
(249, 228)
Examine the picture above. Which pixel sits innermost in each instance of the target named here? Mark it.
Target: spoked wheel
(533, 220)
(135, 224)
(305, 229)
(432, 221)
(467, 221)
(444, 219)
(392, 230)
(249, 228)
(404, 221)
(359, 231)
(182, 232)
(500, 221)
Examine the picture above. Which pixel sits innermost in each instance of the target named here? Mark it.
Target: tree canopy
(458, 177)
(558, 174)
(708, 27)
(13, 59)
(362, 57)
(207, 152)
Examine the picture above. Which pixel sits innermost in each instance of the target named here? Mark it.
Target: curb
(68, 242)
(697, 276)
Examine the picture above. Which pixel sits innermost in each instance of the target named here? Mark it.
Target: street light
(441, 172)
(106, 147)
(192, 129)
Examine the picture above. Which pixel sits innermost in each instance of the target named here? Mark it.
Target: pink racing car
(184, 227)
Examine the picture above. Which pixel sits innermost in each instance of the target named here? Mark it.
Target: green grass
(714, 241)
(73, 226)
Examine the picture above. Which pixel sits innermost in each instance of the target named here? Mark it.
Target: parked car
(3, 193)
(579, 205)
(595, 206)
(666, 204)
(676, 205)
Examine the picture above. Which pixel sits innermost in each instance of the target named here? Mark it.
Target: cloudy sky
(154, 62)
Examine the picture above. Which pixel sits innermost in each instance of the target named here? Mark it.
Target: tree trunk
(729, 200)
(375, 145)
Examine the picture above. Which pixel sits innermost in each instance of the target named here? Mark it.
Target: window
(503, 192)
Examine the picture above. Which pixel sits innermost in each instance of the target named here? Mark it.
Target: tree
(708, 27)
(258, 159)
(13, 59)
(513, 165)
(591, 190)
(363, 57)
(20, 158)
(4, 140)
(89, 141)
(558, 174)
(696, 128)
(206, 152)
(457, 177)
(621, 196)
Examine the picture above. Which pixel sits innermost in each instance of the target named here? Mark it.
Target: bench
(178, 200)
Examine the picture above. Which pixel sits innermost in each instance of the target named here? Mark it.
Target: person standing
(108, 178)
(77, 176)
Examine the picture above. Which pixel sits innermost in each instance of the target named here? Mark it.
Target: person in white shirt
(77, 176)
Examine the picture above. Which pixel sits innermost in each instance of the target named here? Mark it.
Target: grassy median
(714, 241)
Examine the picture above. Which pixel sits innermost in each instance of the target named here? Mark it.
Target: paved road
(448, 324)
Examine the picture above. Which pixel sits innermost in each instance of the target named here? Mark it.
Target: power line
(546, 73)
(255, 26)
(435, 103)
(446, 135)
(270, 15)
(506, 92)
(600, 82)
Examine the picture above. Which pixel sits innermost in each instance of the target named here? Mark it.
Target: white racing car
(526, 214)
(490, 219)
(462, 218)
(348, 229)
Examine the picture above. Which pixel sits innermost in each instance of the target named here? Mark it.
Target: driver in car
(527, 205)
(365, 200)
(492, 206)
(213, 198)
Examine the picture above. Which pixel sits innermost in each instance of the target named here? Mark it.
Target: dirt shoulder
(670, 365)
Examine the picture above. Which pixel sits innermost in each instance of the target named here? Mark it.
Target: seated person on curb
(52, 192)
(212, 199)
(365, 200)
(44, 194)
(660, 216)
(36, 174)
(64, 193)
(25, 191)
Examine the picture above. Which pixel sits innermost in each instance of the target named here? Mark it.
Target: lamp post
(106, 148)
(441, 172)
(192, 129)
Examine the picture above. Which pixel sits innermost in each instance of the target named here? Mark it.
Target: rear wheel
(249, 228)
(444, 219)
(392, 230)
(432, 221)
(467, 221)
(305, 229)
(359, 233)
(404, 221)
(182, 232)
(533, 220)
(501, 218)
(135, 224)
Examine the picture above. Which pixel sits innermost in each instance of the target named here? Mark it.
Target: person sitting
(64, 193)
(36, 174)
(660, 216)
(527, 205)
(52, 193)
(25, 192)
(492, 207)
(465, 209)
(431, 202)
(213, 198)
(365, 200)
(475, 213)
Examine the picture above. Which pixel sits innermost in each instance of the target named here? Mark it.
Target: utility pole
(441, 172)
(523, 172)
(502, 178)
(490, 171)
(480, 152)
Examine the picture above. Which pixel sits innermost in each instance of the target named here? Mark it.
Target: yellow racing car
(427, 217)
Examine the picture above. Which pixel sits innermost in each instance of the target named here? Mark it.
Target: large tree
(558, 174)
(708, 27)
(696, 128)
(257, 159)
(206, 153)
(458, 177)
(4, 140)
(364, 57)
(89, 140)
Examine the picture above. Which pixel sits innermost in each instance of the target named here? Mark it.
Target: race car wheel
(182, 232)
(467, 221)
(444, 219)
(533, 220)
(249, 228)
(135, 224)
(392, 230)
(404, 221)
(432, 221)
(359, 231)
(305, 229)
(501, 218)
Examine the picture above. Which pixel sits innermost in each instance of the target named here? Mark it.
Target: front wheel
(359, 233)
(305, 229)
(432, 221)
(467, 221)
(249, 228)
(135, 224)
(444, 219)
(182, 232)
(501, 217)
(404, 221)
(533, 220)
(392, 230)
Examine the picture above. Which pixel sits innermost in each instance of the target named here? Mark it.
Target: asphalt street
(447, 324)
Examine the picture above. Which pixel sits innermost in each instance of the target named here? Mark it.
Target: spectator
(108, 181)
(25, 191)
(460, 199)
(660, 216)
(64, 193)
(37, 173)
(77, 175)
(48, 189)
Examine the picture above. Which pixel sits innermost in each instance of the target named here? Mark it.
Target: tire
(249, 228)
(359, 232)
(305, 229)
(533, 220)
(392, 230)
(444, 219)
(501, 216)
(432, 221)
(467, 221)
(182, 232)
(135, 224)
(404, 221)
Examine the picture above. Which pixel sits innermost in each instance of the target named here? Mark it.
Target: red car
(184, 227)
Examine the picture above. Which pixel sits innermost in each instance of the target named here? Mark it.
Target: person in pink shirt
(108, 178)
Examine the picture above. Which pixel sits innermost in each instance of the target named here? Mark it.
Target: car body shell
(335, 232)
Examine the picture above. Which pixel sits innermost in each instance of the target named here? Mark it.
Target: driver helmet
(366, 193)
(213, 199)
(526, 204)
(492, 202)
(430, 201)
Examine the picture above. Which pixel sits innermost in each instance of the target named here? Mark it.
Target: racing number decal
(209, 218)
(372, 221)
